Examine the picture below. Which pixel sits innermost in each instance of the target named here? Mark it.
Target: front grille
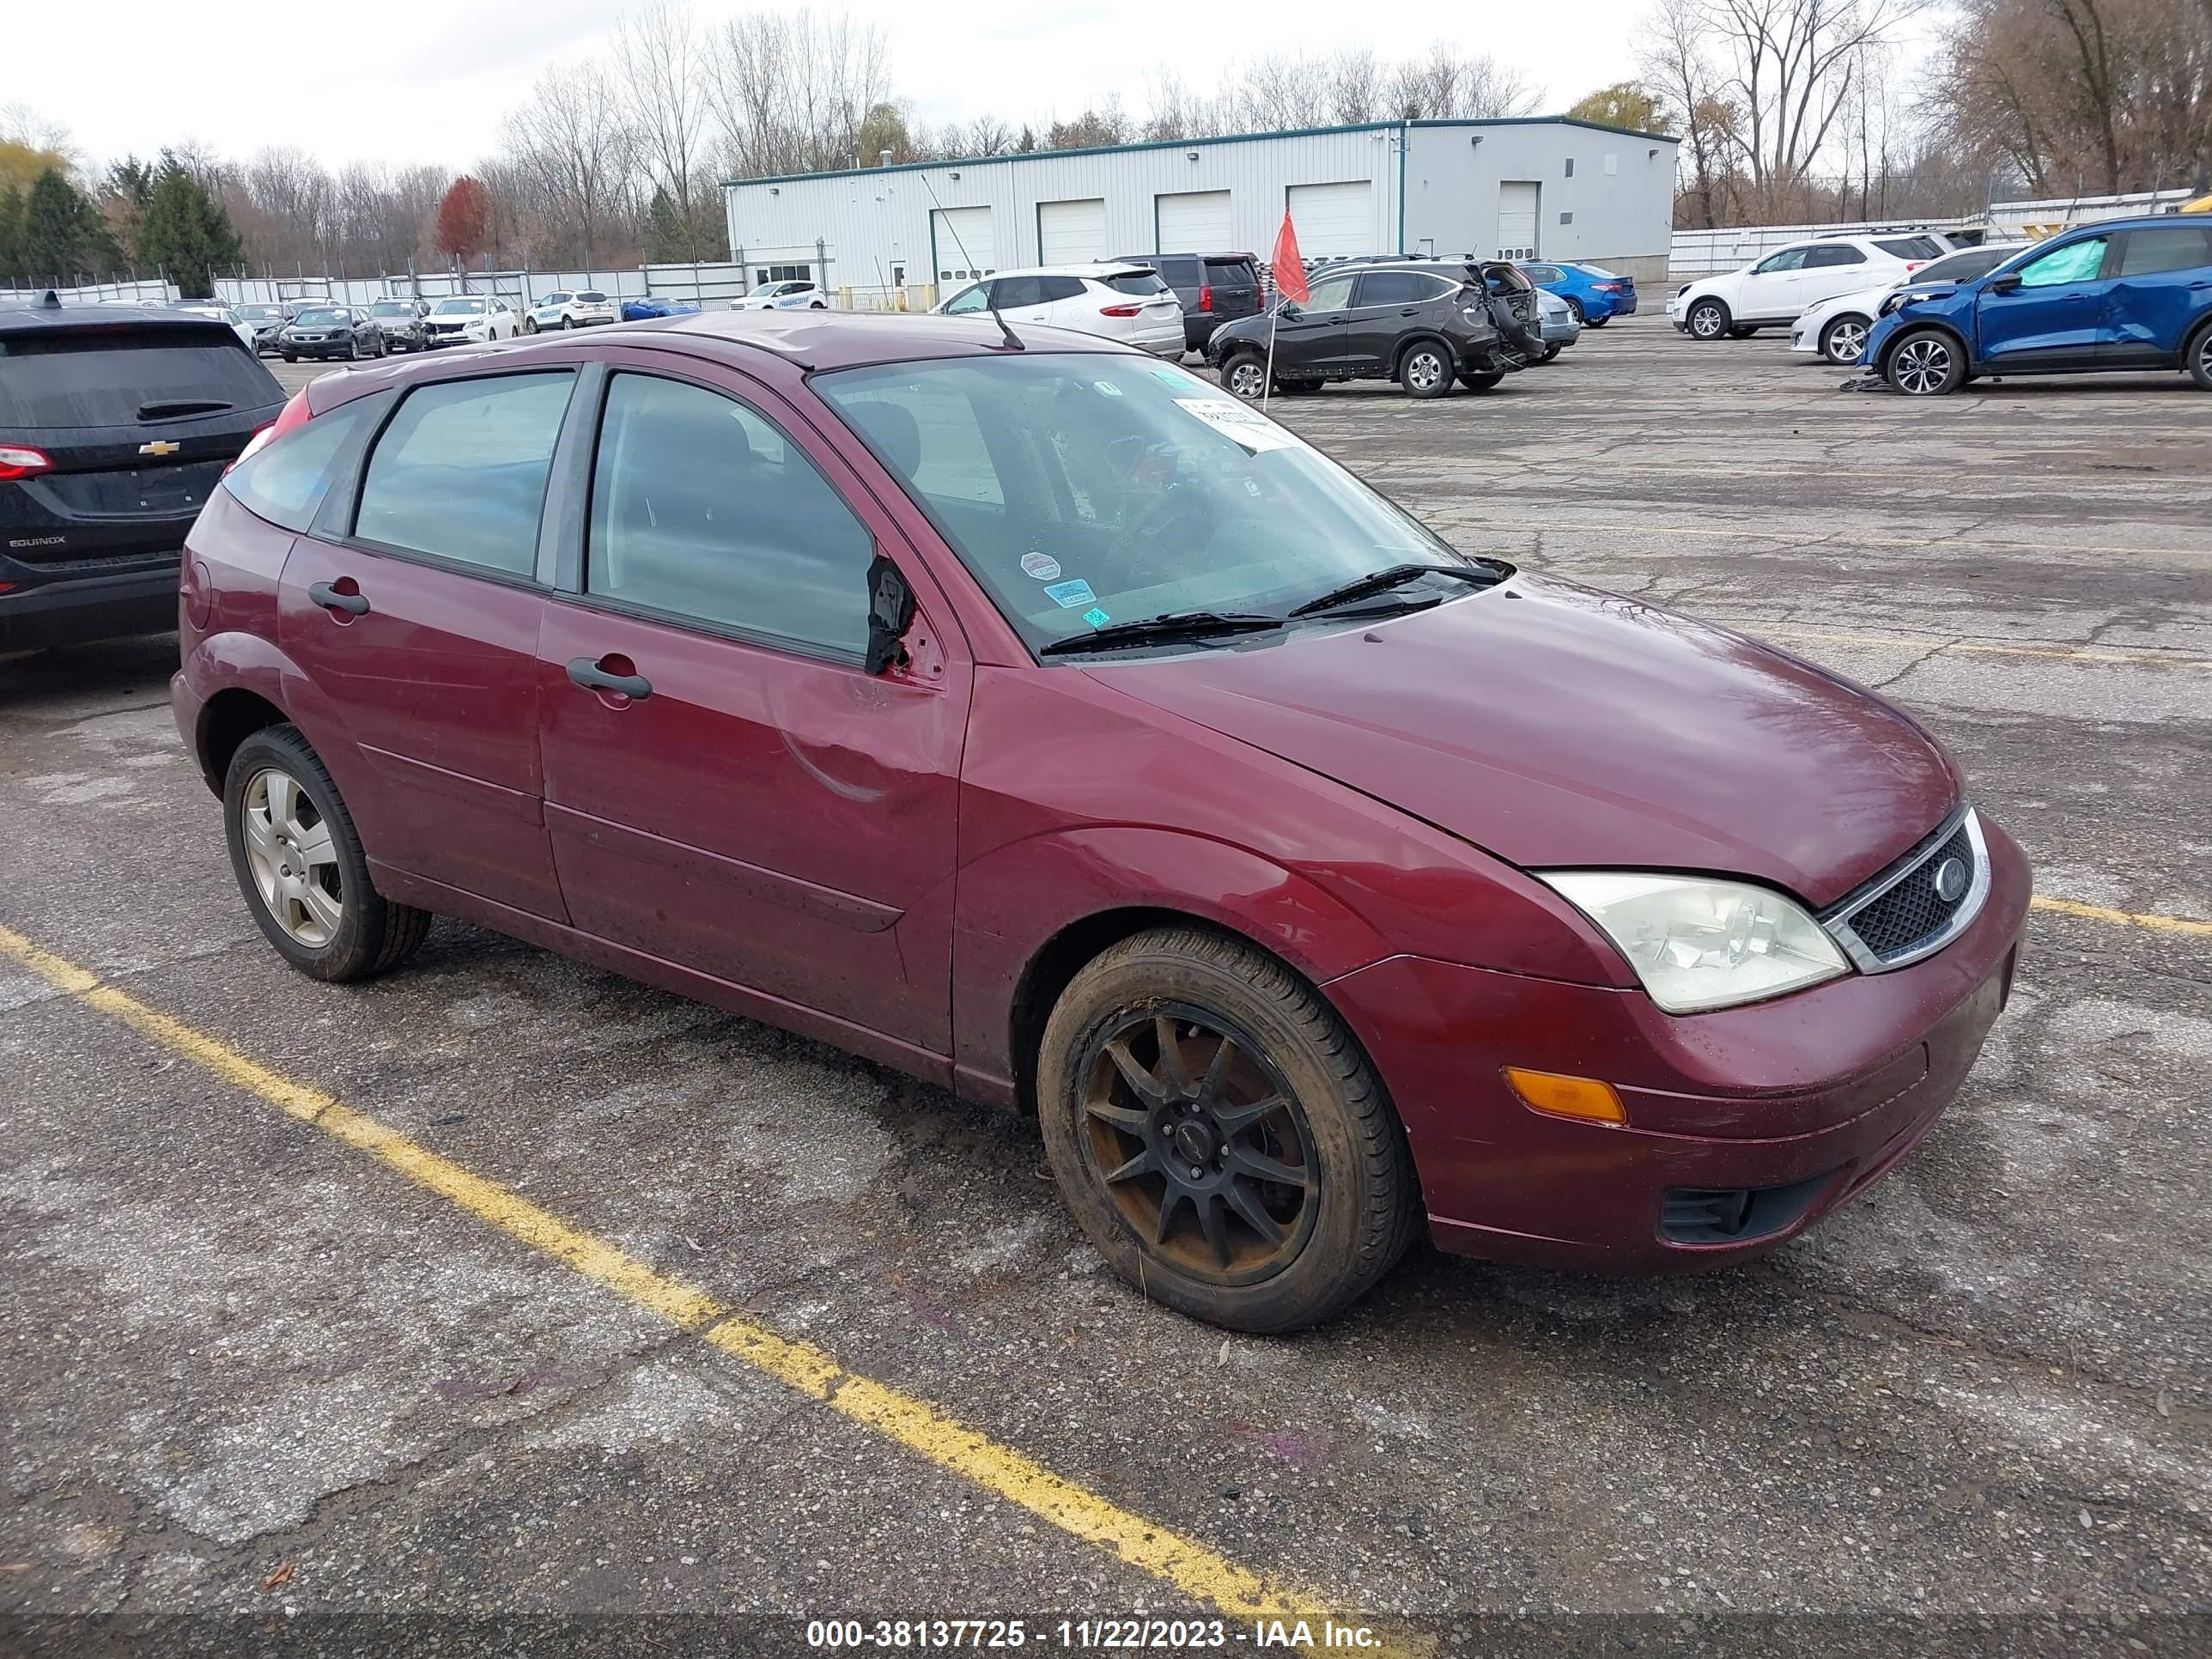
(1908, 918)
(1737, 1215)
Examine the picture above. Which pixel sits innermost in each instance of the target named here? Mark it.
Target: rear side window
(1137, 282)
(285, 482)
(1908, 247)
(1184, 271)
(1008, 292)
(1230, 273)
(460, 472)
(1060, 287)
(2169, 247)
(1399, 288)
(1837, 254)
(127, 377)
(703, 511)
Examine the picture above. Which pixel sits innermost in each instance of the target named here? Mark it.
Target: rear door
(729, 790)
(1233, 286)
(2160, 288)
(2048, 313)
(1830, 269)
(414, 604)
(135, 422)
(1310, 337)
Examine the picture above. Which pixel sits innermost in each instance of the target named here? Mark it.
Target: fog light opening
(1584, 1098)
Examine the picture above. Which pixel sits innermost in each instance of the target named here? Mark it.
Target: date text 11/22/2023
(1129, 1633)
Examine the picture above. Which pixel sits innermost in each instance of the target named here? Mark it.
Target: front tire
(1244, 376)
(1925, 362)
(1217, 1135)
(1551, 351)
(1844, 338)
(2199, 358)
(1426, 370)
(1708, 320)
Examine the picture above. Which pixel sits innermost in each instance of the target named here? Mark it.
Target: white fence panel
(151, 291)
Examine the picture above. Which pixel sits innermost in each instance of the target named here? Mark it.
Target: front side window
(554, 300)
(460, 472)
(1086, 488)
(1790, 259)
(2077, 262)
(2168, 247)
(704, 512)
(1331, 293)
(967, 301)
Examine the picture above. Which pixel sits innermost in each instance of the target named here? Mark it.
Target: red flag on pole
(1290, 270)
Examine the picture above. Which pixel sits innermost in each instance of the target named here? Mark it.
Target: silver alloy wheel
(1706, 322)
(294, 860)
(1846, 339)
(2204, 353)
(1920, 366)
(1424, 369)
(1247, 379)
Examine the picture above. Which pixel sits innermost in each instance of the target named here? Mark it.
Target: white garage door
(1518, 202)
(1070, 233)
(1334, 219)
(963, 243)
(1193, 221)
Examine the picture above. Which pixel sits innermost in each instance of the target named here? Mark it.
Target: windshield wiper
(1173, 625)
(1482, 575)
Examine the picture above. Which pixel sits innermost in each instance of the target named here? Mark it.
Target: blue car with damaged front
(2126, 294)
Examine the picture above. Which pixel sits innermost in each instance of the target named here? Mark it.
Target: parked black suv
(1423, 325)
(1214, 288)
(115, 423)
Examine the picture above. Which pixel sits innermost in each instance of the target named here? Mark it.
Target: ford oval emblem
(1951, 881)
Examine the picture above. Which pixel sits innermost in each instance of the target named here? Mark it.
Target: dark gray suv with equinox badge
(1424, 328)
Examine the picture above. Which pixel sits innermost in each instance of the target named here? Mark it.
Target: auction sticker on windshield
(1071, 594)
(1247, 426)
(1043, 566)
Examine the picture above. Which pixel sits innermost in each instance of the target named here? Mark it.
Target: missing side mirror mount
(891, 613)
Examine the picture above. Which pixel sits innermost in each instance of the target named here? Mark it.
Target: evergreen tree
(667, 238)
(11, 235)
(62, 234)
(186, 232)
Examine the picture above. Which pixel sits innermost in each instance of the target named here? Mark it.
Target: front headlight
(1890, 302)
(1699, 943)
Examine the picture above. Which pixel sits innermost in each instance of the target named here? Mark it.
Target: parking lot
(260, 1365)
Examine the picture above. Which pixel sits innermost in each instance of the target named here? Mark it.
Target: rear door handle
(348, 598)
(593, 677)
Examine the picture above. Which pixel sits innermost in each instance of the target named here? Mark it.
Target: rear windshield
(1136, 281)
(1909, 247)
(122, 377)
(591, 296)
(1598, 271)
(1230, 273)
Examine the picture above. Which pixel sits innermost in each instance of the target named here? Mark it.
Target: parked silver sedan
(1561, 328)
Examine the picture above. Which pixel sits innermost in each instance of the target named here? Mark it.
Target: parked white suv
(581, 309)
(1837, 329)
(1779, 287)
(1126, 303)
(469, 320)
(782, 296)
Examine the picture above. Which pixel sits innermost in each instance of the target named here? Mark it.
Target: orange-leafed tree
(463, 219)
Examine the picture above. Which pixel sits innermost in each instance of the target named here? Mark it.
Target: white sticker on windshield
(1106, 388)
(1247, 426)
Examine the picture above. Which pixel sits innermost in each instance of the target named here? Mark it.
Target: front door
(726, 788)
(1383, 306)
(1768, 292)
(2046, 315)
(2160, 289)
(415, 613)
(1310, 337)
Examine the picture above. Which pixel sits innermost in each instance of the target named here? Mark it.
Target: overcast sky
(404, 80)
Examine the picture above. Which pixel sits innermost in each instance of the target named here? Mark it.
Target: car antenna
(1013, 340)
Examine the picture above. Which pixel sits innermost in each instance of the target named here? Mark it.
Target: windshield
(320, 317)
(389, 308)
(461, 308)
(1965, 266)
(1093, 488)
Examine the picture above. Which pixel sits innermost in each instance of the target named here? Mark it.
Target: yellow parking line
(1184, 1563)
(2075, 654)
(1840, 538)
(2151, 920)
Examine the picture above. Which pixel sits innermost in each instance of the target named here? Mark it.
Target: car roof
(33, 317)
(1093, 268)
(841, 339)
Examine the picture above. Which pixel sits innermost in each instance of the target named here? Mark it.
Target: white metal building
(1546, 187)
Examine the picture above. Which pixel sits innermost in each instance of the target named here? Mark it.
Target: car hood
(1859, 299)
(1554, 725)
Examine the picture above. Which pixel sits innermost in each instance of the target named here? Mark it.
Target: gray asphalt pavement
(251, 1370)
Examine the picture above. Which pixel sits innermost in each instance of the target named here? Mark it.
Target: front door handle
(341, 595)
(604, 676)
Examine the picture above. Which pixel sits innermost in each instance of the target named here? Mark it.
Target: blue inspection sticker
(1172, 376)
(1097, 617)
(1071, 594)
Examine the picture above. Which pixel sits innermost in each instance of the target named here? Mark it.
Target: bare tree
(1671, 54)
(788, 90)
(1357, 88)
(1442, 85)
(573, 142)
(658, 49)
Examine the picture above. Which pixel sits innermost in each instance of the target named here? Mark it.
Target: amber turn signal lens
(1582, 1098)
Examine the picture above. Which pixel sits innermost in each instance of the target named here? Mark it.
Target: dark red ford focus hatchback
(1038, 720)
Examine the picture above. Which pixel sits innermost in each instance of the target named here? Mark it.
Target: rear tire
(1298, 1208)
(1741, 331)
(2198, 356)
(1597, 322)
(1708, 320)
(1575, 308)
(1925, 362)
(1550, 352)
(1297, 388)
(1426, 370)
(300, 864)
(1486, 381)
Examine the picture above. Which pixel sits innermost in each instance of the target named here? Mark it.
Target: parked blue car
(2127, 294)
(1594, 295)
(653, 306)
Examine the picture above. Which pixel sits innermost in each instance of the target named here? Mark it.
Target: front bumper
(457, 338)
(1800, 1102)
(78, 611)
(317, 349)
